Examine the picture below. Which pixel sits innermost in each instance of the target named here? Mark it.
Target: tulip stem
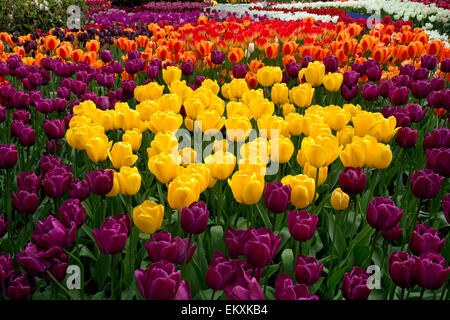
(59, 284)
(421, 293)
(316, 183)
(372, 249)
(102, 210)
(186, 255)
(219, 203)
(112, 277)
(212, 294)
(402, 294)
(413, 225)
(274, 223)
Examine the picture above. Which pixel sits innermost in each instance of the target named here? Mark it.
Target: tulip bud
(401, 267)
(277, 197)
(429, 270)
(393, 234)
(425, 184)
(438, 159)
(261, 246)
(352, 180)
(194, 219)
(112, 235)
(339, 200)
(354, 284)
(164, 247)
(382, 214)
(285, 289)
(148, 216)
(100, 181)
(245, 288)
(307, 270)
(302, 226)
(8, 156)
(72, 212)
(18, 286)
(425, 239)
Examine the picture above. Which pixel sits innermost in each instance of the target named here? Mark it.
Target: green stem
(274, 223)
(413, 225)
(59, 284)
(372, 249)
(102, 210)
(219, 203)
(186, 255)
(212, 294)
(112, 277)
(316, 182)
(421, 293)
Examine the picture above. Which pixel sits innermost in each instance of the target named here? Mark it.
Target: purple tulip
(8, 156)
(2, 113)
(401, 267)
(354, 284)
(437, 84)
(302, 226)
(100, 181)
(54, 129)
(164, 247)
(133, 66)
(373, 72)
(44, 106)
(26, 136)
(79, 189)
(25, 202)
(56, 181)
(277, 197)
(223, 272)
(402, 81)
(235, 239)
(285, 289)
(307, 270)
(359, 68)
(18, 286)
(428, 61)
(393, 234)
(112, 236)
(331, 64)
(217, 57)
(6, 265)
(293, 69)
(20, 100)
(21, 115)
(429, 270)
(420, 89)
(445, 65)
(398, 96)
(105, 80)
(438, 160)
(128, 86)
(187, 68)
(421, 74)
(59, 104)
(152, 72)
(52, 233)
(245, 288)
(352, 180)
(72, 212)
(239, 71)
(349, 93)
(194, 219)
(415, 112)
(425, 239)
(383, 214)
(406, 137)
(261, 246)
(106, 56)
(446, 206)
(161, 281)
(29, 181)
(306, 60)
(4, 69)
(436, 99)
(4, 225)
(63, 93)
(425, 184)
(351, 78)
(438, 138)
(199, 80)
(385, 87)
(47, 163)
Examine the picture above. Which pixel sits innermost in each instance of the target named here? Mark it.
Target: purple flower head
(164, 247)
(277, 197)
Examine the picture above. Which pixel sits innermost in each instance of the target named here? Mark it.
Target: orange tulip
(64, 52)
(434, 47)
(251, 80)
(289, 48)
(255, 65)
(235, 55)
(271, 50)
(142, 41)
(288, 59)
(51, 42)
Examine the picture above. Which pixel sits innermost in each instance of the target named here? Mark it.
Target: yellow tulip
(302, 189)
(239, 109)
(257, 166)
(260, 107)
(97, 148)
(164, 166)
(79, 121)
(221, 164)
(247, 186)
(182, 191)
(333, 81)
(104, 118)
(163, 121)
(163, 143)
(85, 108)
(122, 155)
(311, 172)
(337, 118)
(269, 125)
(384, 129)
(279, 93)
(288, 108)
(146, 108)
(345, 135)
(116, 187)
(269, 75)
(238, 128)
(181, 89)
(354, 110)
(209, 121)
(170, 102)
(383, 156)
(363, 121)
(188, 156)
(150, 91)
(226, 91)
(129, 181)
(204, 94)
(193, 107)
(201, 172)
(220, 145)
(252, 95)
(316, 155)
(257, 150)
(148, 216)
(170, 74)
(353, 155)
(339, 199)
(294, 121)
(282, 149)
(314, 73)
(211, 84)
(238, 87)
(301, 95)
(301, 159)
(77, 137)
(133, 137)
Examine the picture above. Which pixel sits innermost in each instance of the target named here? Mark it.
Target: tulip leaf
(269, 271)
(316, 286)
(287, 262)
(101, 269)
(264, 216)
(333, 280)
(217, 237)
(85, 252)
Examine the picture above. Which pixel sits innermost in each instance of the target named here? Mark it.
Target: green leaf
(333, 281)
(85, 252)
(217, 236)
(101, 269)
(264, 216)
(287, 262)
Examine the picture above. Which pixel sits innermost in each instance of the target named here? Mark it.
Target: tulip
(105, 56)
(245, 288)
(445, 65)
(315, 73)
(151, 91)
(223, 272)
(279, 93)
(56, 181)
(161, 281)
(29, 181)
(239, 71)
(333, 81)
(148, 216)
(331, 64)
(370, 91)
(429, 270)
(293, 69)
(350, 78)
(307, 270)
(129, 181)
(425, 184)
(349, 93)
(354, 284)
(352, 180)
(393, 234)
(425, 239)
(260, 246)
(122, 155)
(221, 164)
(428, 61)
(437, 84)
(25, 202)
(4, 225)
(446, 206)
(420, 89)
(79, 189)
(8, 156)
(277, 197)
(164, 247)
(194, 219)
(373, 72)
(401, 267)
(100, 181)
(285, 289)
(72, 212)
(187, 68)
(302, 190)
(339, 199)
(399, 95)
(18, 286)
(217, 57)
(183, 191)
(6, 265)
(421, 74)
(235, 240)
(437, 160)
(112, 235)
(269, 75)
(247, 186)
(164, 166)
(302, 225)
(50, 233)
(438, 138)
(382, 214)
(415, 112)
(170, 74)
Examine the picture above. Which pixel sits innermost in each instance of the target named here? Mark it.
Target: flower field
(204, 151)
